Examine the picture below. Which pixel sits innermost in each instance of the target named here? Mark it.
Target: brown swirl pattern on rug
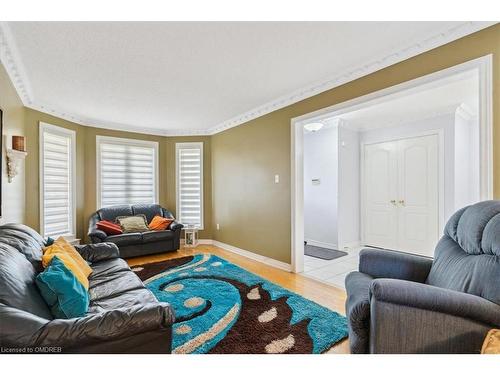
(147, 270)
(262, 326)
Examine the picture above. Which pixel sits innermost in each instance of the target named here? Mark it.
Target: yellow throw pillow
(75, 255)
(71, 259)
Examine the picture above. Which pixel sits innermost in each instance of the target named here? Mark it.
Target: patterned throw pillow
(133, 224)
(160, 223)
(109, 228)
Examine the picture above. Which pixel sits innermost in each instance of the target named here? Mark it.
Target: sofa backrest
(149, 210)
(467, 258)
(20, 262)
(112, 212)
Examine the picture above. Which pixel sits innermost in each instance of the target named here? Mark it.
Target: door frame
(362, 204)
(483, 65)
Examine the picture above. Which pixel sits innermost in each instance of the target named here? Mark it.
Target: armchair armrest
(408, 317)
(98, 251)
(106, 326)
(175, 226)
(394, 265)
(97, 236)
(428, 297)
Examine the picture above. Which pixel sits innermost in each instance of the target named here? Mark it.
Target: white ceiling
(198, 77)
(436, 98)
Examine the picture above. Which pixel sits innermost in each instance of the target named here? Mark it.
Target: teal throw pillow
(61, 290)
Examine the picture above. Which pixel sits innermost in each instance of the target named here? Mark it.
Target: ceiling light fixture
(313, 126)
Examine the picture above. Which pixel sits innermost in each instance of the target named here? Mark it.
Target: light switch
(276, 178)
(218, 226)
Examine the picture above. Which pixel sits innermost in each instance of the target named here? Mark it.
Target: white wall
(467, 185)
(320, 200)
(13, 193)
(349, 188)
(461, 158)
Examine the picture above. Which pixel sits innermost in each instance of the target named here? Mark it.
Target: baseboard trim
(350, 245)
(325, 245)
(201, 241)
(259, 258)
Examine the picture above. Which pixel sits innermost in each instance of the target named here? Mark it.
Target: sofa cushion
(62, 245)
(470, 225)
(454, 269)
(109, 227)
(154, 236)
(113, 284)
(17, 280)
(71, 259)
(25, 240)
(148, 210)
(122, 301)
(133, 224)
(112, 212)
(125, 239)
(107, 267)
(467, 257)
(160, 223)
(61, 290)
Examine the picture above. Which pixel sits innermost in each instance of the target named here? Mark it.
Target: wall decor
(18, 143)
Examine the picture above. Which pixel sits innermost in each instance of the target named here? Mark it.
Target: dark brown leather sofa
(124, 316)
(137, 244)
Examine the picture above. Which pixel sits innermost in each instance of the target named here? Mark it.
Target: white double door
(401, 194)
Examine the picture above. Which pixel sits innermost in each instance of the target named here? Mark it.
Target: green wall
(240, 163)
(86, 201)
(13, 193)
(253, 212)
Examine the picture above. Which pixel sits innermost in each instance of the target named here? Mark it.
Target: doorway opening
(388, 169)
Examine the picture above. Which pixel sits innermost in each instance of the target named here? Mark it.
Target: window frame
(57, 130)
(125, 141)
(178, 147)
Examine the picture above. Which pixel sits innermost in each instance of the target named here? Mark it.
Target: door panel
(380, 182)
(418, 194)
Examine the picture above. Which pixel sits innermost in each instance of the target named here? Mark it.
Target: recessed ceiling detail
(198, 78)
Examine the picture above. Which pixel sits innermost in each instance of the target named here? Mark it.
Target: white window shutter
(189, 165)
(57, 179)
(127, 171)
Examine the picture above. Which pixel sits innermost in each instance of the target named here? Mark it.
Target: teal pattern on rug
(209, 296)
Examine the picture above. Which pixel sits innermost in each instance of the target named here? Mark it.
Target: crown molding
(96, 123)
(397, 55)
(10, 58)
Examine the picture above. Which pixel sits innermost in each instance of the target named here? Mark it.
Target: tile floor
(332, 271)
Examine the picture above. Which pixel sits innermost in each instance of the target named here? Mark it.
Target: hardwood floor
(326, 295)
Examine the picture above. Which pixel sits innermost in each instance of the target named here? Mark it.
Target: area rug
(322, 253)
(222, 308)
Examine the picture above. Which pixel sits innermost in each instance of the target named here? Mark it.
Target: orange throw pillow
(160, 223)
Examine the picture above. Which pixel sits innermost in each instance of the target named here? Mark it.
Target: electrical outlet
(218, 226)
(276, 178)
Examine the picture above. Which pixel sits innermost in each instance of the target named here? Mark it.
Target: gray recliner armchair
(403, 303)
